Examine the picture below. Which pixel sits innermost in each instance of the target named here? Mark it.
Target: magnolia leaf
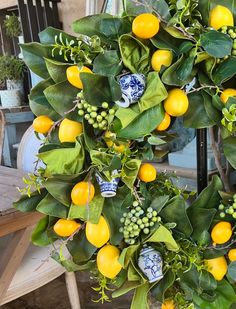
(127, 254)
(229, 147)
(56, 70)
(60, 190)
(130, 172)
(140, 297)
(127, 115)
(216, 44)
(162, 234)
(155, 140)
(107, 64)
(47, 36)
(159, 289)
(27, 204)
(232, 271)
(225, 71)
(50, 206)
(40, 236)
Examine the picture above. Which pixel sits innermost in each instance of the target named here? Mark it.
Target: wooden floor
(54, 295)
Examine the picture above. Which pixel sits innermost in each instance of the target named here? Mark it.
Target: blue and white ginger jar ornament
(108, 188)
(150, 262)
(132, 87)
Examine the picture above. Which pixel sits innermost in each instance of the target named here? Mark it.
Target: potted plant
(12, 71)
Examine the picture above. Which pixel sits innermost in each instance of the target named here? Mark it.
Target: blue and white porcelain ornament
(132, 87)
(150, 262)
(108, 188)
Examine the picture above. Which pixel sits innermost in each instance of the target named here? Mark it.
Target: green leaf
(125, 288)
(130, 172)
(145, 123)
(27, 204)
(161, 7)
(135, 54)
(127, 115)
(61, 97)
(80, 249)
(34, 54)
(133, 275)
(65, 161)
(196, 115)
(60, 190)
(216, 44)
(39, 236)
(108, 63)
(90, 213)
(154, 94)
(98, 89)
(56, 70)
(207, 281)
(184, 70)
(170, 76)
(113, 210)
(155, 140)
(225, 296)
(50, 206)
(201, 220)
(209, 198)
(159, 290)
(47, 36)
(163, 40)
(38, 102)
(232, 271)
(213, 113)
(175, 32)
(162, 234)
(140, 297)
(114, 27)
(175, 211)
(225, 71)
(229, 147)
(127, 254)
(159, 202)
(89, 136)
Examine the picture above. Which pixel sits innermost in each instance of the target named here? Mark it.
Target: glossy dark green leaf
(47, 36)
(175, 211)
(130, 172)
(213, 113)
(232, 271)
(39, 236)
(50, 206)
(97, 89)
(107, 64)
(34, 54)
(216, 44)
(189, 280)
(225, 296)
(207, 281)
(161, 7)
(89, 136)
(229, 147)
(113, 210)
(155, 140)
(154, 94)
(27, 204)
(185, 47)
(150, 119)
(56, 70)
(61, 97)
(184, 70)
(159, 290)
(163, 40)
(38, 102)
(127, 254)
(64, 161)
(80, 249)
(135, 54)
(125, 288)
(60, 190)
(159, 202)
(114, 27)
(196, 115)
(225, 71)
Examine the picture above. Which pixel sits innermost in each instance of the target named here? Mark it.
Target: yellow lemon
(161, 57)
(42, 124)
(226, 94)
(98, 234)
(168, 304)
(221, 232)
(220, 16)
(65, 227)
(217, 267)
(232, 255)
(145, 26)
(119, 147)
(82, 193)
(165, 123)
(69, 130)
(147, 172)
(107, 261)
(73, 75)
(176, 104)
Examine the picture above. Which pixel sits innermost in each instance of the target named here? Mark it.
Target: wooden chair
(37, 268)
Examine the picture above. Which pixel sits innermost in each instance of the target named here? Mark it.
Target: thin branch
(217, 155)
(203, 87)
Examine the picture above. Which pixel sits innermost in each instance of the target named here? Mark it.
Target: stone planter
(15, 84)
(10, 98)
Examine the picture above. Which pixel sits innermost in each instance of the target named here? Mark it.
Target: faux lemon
(69, 130)
(221, 232)
(217, 267)
(226, 94)
(73, 75)
(161, 57)
(220, 16)
(176, 104)
(107, 261)
(98, 234)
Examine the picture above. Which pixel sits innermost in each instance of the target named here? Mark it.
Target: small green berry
(112, 111)
(95, 125)
(121, 230)
(134, 219)
(80, 106)
(231, 211)
(125, 214)
(139, 222)
(151, 223)
(100, 125)
(129, 228)
(150, 209)
(234, 215)
(224, 28)
(91, 121)
(233, 36)
(149, 215)
(146, 231)
(135, 203)
(133, 211)
(154, 213)
(230, 31)
(142, 226)
(93, 114)
(158, 219)
(94, 108)
(221, 207)
(147, 224)
(105, 105)
(103, 114)
(222, 214)
(122, 220)
(87, 116)
(234, 205)
(145, 220)
(154, 219)
(86, 105)
(89, 110)
(81, 112)
(141, 212)
(138, 208)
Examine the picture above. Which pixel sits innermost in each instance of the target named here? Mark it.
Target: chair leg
(72, 290)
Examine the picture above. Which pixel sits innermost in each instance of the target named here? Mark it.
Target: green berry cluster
(228, 209)
(229, 120)
(98, 117)
(232, 33)
(136, 221)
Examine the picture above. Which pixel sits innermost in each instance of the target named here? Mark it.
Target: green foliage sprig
(81, 51)
(229, 119)
(11, 68)
(12, 26)
(33, 183)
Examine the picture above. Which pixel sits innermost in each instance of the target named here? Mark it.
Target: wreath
(107, 98)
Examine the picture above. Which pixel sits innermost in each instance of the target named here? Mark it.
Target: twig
(217, 155)
(203, 87)
(72, 109)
